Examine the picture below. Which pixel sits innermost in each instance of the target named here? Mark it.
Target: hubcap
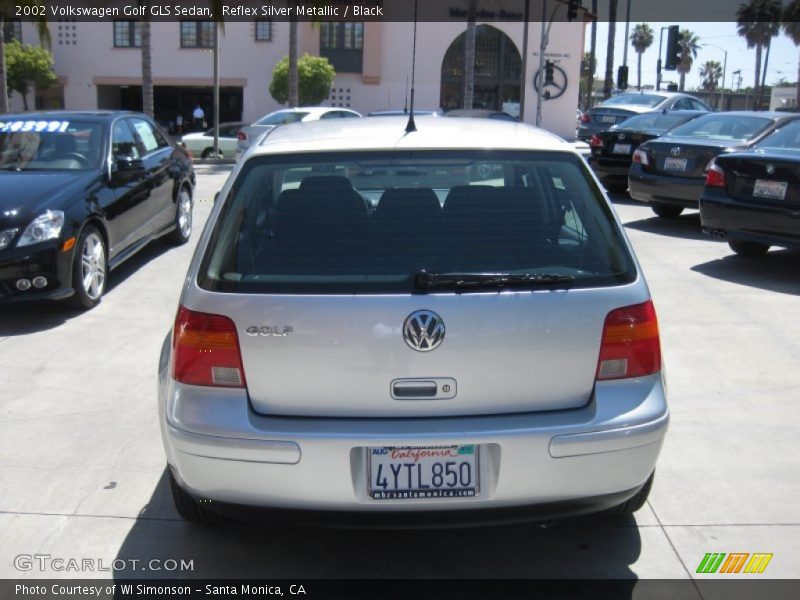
(185, 214)
(93, 266)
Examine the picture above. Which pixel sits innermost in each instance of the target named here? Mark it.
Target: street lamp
(724, 68)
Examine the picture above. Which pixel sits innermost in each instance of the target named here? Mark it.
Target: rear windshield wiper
(470, 281)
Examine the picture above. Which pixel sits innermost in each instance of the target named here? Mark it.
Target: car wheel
(183, 219)
(209, 153)
(89, 269)
(634, 503)
(188, 508)
(668, 211)
(748, 249)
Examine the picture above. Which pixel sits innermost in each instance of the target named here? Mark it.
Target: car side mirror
(126, 168)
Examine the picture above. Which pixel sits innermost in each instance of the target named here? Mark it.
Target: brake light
(241, 136)
(715, 176)
(206, 350)
(586, 118)
(630, 345)
(640, 156)
(596, 142)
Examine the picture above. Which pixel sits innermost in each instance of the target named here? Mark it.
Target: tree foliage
(641, 39)
(28, 66)
(791, 26)
(711, 72)
(315, 78)
(758, 22)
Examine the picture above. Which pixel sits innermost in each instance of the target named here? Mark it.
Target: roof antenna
(405, 106)
(411, 126)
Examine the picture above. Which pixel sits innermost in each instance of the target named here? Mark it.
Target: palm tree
(688, 43)
(7, 7)
(758, 22)
(469, 55)
(641, 39)
(791, 26)
(711, 72)
(612, 32)
(148, 104)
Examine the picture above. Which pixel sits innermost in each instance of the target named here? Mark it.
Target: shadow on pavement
(589, 547)
(686, 226)
(777, 271)
(152, 251)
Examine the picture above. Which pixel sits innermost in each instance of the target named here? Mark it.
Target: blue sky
(714, 37)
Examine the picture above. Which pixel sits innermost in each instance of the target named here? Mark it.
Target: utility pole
(216, 89)
(524, 83)
(539, 73)
(627, 28)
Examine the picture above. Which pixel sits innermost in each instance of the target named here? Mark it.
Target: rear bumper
(610, 168)
(579, 460)
(750, 221)
(664, 189)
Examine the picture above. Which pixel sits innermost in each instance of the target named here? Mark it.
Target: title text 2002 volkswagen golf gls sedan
(373, 326)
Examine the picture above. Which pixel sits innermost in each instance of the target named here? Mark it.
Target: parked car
(404, 112)
(364, 331)
(752, 199)
(249, 133)
(612, 150)
(81, 193)
(669, 172)
(202, 143)
(618, 108)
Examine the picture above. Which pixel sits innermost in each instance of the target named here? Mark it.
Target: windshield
(786, 138)
(36, 145)
(282, 117)
(723, 127)
(654, 121)
(365, 223)
(635, 100)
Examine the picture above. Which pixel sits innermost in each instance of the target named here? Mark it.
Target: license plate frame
(622, 149)
(675, 164)
(422, 459)
(769, 189)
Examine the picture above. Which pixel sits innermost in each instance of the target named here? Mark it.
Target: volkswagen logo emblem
(676, 150)
(423, 330)
(770, 169)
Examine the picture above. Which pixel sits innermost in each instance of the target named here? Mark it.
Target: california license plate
(675, 164)
(622, 149)
(607, 119)
(421, 472)
(774, 190)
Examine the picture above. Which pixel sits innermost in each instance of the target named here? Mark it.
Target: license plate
(607, 119)
(622, 149)
(774, 190)
(415, 472)
(675, 164)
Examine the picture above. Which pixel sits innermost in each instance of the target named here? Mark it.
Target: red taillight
(596, 142)
(640, 156)
(206, 351)
(630, 345)
(586, 118)
(715, 176)
(241, 136)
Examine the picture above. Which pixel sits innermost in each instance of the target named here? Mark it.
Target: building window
(12, 30)
(127, 34)
(263, 31)
(343, 45)
(197, 34)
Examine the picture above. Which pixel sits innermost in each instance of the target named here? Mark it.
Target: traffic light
(549, 72)
(572, 9)
(622, 77)
(673, 48)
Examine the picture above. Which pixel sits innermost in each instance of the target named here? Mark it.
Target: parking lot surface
(82, 469)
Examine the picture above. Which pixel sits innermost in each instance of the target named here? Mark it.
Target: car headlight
(44, 227)
(6, 237)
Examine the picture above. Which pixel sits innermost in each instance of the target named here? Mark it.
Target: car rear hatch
(681, 158)
(329, 307)
(621, 144)
(606, 117)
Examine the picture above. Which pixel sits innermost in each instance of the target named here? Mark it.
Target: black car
(669, 172)
(612, 150)
(82, 192)
(753, 198)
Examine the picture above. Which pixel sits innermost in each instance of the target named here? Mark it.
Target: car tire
(209, 153)
(188, 508)
(89, 269)
(183, 219)
(748, 249)
(668, 211)
(631, 505)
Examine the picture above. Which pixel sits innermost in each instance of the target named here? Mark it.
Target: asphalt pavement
(82, 469)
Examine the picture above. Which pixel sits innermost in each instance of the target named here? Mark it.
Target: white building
(99, 65)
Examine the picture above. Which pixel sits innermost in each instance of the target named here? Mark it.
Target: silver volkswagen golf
(394, 325)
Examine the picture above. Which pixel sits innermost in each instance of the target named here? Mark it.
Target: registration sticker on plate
(774, 190)
(421, 472)
(607, 119)
(674, 164)
(622, 149)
